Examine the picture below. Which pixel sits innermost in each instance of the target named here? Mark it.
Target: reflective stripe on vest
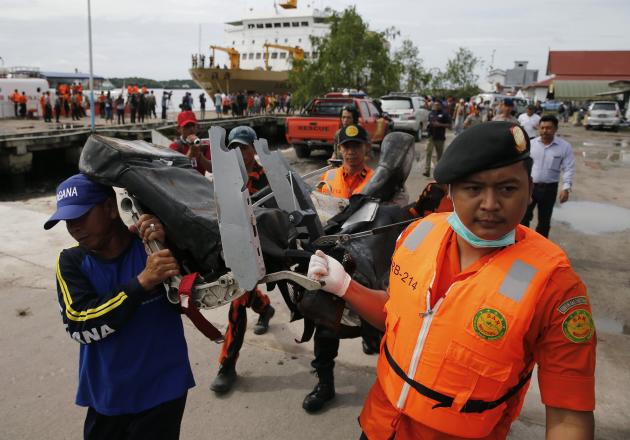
(416, 236)
(517, 280)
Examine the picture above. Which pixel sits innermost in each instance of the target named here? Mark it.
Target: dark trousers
(159, 423)
(237, 323)
(326, 349)
(543, 196)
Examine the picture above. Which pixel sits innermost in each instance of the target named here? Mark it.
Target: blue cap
(241, 135)
(509, 102)
(75, 197)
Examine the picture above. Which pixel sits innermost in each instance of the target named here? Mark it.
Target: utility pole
(91, 66)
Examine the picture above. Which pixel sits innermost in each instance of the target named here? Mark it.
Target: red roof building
(580, 75)
(589, 64)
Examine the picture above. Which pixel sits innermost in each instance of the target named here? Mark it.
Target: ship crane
(235, 56)
(296, 52)
(289, 4)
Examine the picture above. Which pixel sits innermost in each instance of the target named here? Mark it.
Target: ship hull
(214, 80)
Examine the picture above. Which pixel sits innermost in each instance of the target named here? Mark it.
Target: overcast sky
(154, 38)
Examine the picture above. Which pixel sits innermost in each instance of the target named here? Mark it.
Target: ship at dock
(261, 47)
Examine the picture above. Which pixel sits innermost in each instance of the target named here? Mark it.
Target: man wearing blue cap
(134, 372)
(243, 137)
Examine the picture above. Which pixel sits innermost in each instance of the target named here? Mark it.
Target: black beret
(353, 133)
(482, 147)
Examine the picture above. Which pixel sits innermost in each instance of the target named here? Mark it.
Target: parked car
(491, 100)
(603, 114)
(551, 106)
(408, 112)
(315, 128)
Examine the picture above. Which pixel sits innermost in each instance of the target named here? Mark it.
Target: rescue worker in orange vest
(15, 99)
(23, 100)
(243, 137)
(474, 301)
(46, 106)
(352, 176)
(340, 182)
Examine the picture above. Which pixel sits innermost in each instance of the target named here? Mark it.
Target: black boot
(225, 380)
(323, 392)
(262, 325)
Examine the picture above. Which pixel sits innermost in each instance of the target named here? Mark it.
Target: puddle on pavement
(609, 325)
(617, 156)
(592, 218)
(618, 143)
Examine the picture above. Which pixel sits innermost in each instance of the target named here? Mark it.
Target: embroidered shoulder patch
(572, 302)
(489, 324)
(578, 326)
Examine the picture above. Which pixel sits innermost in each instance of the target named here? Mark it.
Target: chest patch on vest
(489, 324)
(578, 326)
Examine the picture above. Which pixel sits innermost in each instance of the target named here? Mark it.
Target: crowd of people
(496, 298)
(244, 104)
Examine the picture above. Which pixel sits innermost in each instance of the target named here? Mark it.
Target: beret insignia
(352, 131)
(519, 138)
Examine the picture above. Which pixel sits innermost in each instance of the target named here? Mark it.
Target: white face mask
(475, 241)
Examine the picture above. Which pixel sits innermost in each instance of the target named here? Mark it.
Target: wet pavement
(274, 372)
(592, 217)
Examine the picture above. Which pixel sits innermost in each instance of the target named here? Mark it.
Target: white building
(495, 78)
(275, 25)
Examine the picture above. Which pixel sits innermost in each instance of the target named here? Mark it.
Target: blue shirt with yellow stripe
(133, 354)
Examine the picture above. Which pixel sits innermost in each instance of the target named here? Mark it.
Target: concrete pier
(17, 149)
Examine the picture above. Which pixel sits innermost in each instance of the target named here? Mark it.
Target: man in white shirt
(529, 121)
(551, 155)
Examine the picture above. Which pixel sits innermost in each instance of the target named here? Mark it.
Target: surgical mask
(475, 241)
(472, 239)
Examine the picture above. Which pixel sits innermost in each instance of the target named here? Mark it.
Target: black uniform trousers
(158, 423)
(326, 349)
(543, 196)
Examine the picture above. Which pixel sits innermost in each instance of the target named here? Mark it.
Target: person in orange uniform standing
(475, 300)
(353, 175)
(243, 138)
(15, 99)
(189, 144)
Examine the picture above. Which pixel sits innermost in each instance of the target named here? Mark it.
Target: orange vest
(336, 185)
(468, 350)
(15, 98)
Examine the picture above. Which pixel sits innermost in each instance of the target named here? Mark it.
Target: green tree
(350, 56)
(413, 76)
(460, 73)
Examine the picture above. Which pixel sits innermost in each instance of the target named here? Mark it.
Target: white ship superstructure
(286, 27)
